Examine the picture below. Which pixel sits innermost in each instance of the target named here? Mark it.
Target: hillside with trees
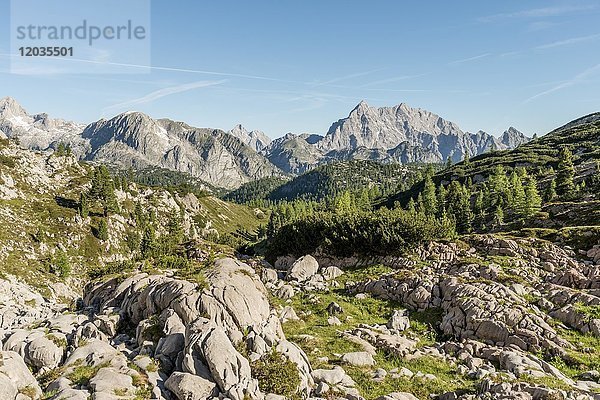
(330, 180)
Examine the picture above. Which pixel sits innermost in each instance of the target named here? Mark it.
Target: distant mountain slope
(256, 190)
(135, 140)
(405, 134)
(293, 154)
(512, 138)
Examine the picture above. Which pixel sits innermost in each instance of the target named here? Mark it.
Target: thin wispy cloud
(395, 79)
(158, 94)
(350, 76)
(580, 77)
(466, 60)
(159, 68)
(570, 41)
(542, 12)
(537, 26)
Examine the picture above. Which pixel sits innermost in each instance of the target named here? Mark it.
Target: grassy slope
(331, 344)
(228, 217)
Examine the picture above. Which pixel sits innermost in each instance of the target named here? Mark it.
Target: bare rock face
(405, 134)
(293, 154)
(512, 138)
(399, 320)
(255, 139)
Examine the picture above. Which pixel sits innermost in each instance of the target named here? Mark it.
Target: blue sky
(282, 66)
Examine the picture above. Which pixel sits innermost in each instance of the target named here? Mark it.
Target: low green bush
(276, 374)
(369, 232)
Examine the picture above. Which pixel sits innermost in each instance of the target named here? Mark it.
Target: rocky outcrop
(480, 302)
(231, 311)
(16, 378)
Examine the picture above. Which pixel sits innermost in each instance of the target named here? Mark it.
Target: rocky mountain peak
(361, 108)
(256, 139)
(9, 107)
(512, 138)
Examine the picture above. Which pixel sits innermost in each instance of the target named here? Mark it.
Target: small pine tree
(140, 216)
(550, 193)
(533, 201)
(84, 206)
(344, 203)
(109, 199)
(441, 200)
(103, 230)
(517, 198)
(175, 232)
(479, 210)
(565, 186)
(411, 207)
(60, 265)
(595, 182)
(459, 206)
(63, 150)
(430, 205)
(103, 190)
(499, 187)
(148, 244)
(498, 216)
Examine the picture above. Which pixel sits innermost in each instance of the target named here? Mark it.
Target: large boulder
(95, 352)
(14, 369)
(42, 352)
(190, 387)
(295, 354)
(303, 269)
(9, 390)
(110, 380)
(237, 299)
(208, 345)
(332, 272)
(358, 359)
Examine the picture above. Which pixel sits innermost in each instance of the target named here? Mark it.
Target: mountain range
(398, 134)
